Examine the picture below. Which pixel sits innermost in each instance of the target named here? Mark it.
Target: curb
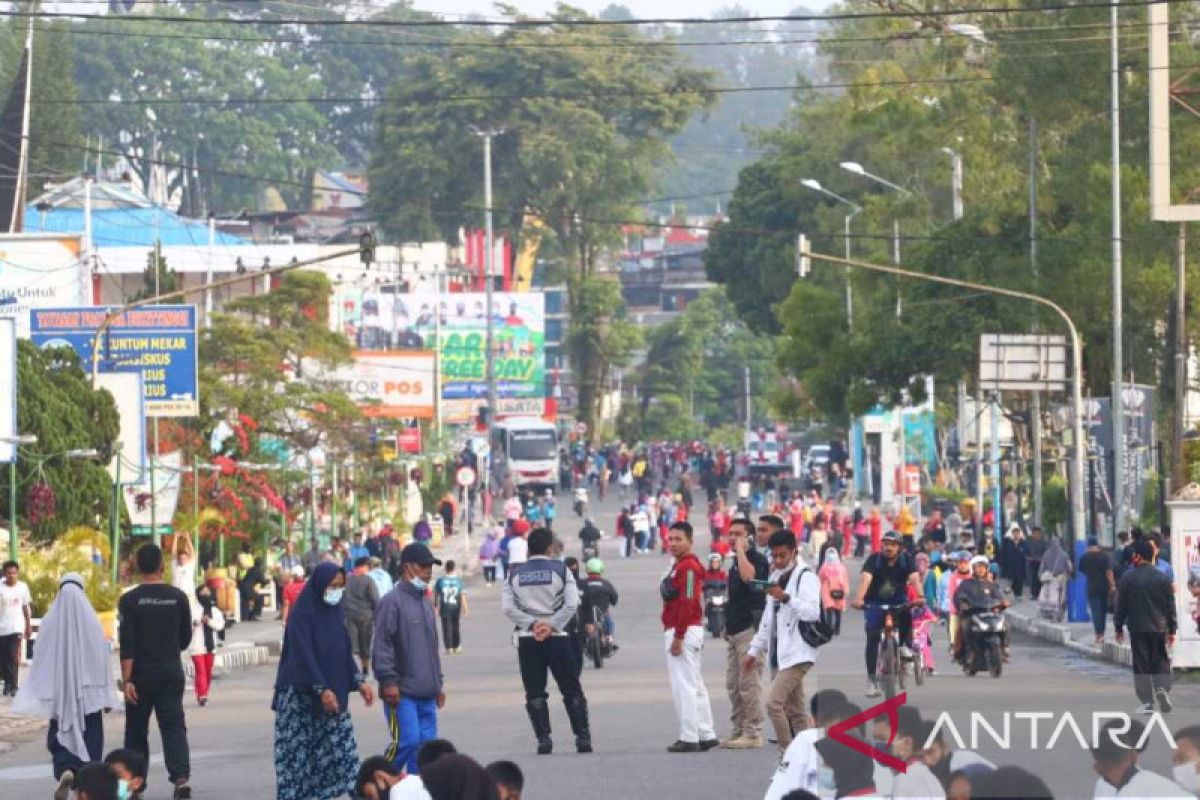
(1060, 634)
(236, 656)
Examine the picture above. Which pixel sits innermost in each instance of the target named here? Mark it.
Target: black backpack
(818, 632)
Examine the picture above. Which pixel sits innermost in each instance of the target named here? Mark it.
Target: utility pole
(489, 279)
(154, 423)
(746, 384)
(1035, 404)
(1118, 402)
(1178, 479)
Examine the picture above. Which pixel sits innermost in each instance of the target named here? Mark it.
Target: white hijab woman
(70, 681)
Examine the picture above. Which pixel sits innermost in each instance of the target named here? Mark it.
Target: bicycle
(891, 667)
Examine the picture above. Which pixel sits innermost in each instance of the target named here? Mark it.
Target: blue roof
(127, 227)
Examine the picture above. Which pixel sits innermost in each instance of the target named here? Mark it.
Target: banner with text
(389, 385)
(40, 271)
(375, 320)
(157, 341)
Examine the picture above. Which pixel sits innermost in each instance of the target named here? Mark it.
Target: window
(531, 445)
(554, 302)
(554, 330)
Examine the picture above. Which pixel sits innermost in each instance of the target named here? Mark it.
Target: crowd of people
(368, 607)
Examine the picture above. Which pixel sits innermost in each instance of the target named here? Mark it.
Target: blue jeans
(410, 724)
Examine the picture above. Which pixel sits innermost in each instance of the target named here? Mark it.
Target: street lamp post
(16, 441)
(857, 169)
(855, 210)
(956, 180)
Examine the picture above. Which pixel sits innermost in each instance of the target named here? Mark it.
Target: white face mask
(1186, 776)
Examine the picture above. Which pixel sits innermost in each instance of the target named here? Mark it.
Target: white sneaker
(873, 690)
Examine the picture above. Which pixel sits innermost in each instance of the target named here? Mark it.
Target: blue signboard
(157, 341)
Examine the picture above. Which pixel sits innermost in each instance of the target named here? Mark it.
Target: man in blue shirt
(357, 550)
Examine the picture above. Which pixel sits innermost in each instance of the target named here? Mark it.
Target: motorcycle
(983, 647)
(599, 645)
(716, 593)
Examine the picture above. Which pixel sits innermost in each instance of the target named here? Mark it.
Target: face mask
(1187, 777)
(826, 782)
(334, 596)
(418, 583)
(122, 790)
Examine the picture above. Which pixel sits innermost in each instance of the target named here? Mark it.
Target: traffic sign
(465, 476)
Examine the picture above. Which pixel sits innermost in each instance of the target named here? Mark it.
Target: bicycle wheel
(596, 649)
(889, 667)
(918, 667)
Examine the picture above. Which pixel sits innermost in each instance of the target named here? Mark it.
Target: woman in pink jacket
(835, 586)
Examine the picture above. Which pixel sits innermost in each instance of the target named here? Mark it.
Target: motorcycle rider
(976, 594)
(603, 596)
(589, 537)
(714, 573)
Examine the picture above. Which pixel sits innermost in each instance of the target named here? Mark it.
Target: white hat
(979, 560)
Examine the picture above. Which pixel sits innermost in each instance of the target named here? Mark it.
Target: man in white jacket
(794, 596)
(800, 766)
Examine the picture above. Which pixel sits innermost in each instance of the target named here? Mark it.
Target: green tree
(585, 129)
(278, 380)
(56, 403)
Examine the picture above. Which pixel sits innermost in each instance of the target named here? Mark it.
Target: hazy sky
(640, 8)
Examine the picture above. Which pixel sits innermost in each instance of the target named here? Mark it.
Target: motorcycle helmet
(715, 559)
(594, 566)
(979, 560)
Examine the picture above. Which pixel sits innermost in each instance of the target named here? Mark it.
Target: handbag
(817, 632)
(837, 594)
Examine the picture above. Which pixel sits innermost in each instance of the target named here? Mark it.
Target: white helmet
(980, 560)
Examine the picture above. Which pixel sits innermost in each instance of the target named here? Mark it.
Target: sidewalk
(1076, 636)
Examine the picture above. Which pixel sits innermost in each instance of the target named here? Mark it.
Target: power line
(595, 22)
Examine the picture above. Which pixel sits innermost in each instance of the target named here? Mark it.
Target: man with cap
(406, 659)
(886, 576)
(541, 598)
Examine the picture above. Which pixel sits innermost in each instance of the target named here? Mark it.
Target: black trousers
(1151, 664)
(874, 625)
(451, 633)
(833, 618)
(1035, 580)
(93, 739)
(1018, 583)
(252, 605)
(10, 651)
(554, 655)
(163, 698)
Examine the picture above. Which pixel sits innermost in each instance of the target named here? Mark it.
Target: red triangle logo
(838, 731)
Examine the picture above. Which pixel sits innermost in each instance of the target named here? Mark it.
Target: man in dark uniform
(541, 598)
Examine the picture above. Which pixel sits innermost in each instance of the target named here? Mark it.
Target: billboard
(157, 341)
(129, 454)
(8, 390)
(456, 324)
(151, 503)
(40, 271)
(389, 384)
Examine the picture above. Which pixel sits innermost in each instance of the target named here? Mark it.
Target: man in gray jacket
(541, 597)
(407, 661)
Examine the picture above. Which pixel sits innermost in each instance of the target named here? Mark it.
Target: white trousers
(687, 687)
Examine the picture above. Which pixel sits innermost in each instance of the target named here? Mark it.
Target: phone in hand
(761, 586)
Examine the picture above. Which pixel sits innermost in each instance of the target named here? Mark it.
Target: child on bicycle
(922, 620)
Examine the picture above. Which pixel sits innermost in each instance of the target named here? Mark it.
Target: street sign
(581, 428)
(1023, 362)
(465, 476)
(157, 341)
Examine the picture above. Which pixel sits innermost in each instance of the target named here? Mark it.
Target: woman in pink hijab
(835, 587)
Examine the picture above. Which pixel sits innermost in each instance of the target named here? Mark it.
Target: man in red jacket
(683, 634)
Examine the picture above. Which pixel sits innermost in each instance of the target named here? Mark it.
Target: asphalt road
(632, 717)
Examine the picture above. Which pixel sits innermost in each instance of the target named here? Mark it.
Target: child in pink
(922, 618)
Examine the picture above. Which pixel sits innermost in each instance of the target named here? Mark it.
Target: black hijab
(458, 777)
(316, 645)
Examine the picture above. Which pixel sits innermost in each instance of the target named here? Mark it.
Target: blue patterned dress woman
(316, 757)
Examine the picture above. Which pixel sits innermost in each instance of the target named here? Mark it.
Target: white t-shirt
(183, 577)
(799, 767)
(410, 788)
(918, 782)
(518, 550)
(13, 602)
(1144, 786)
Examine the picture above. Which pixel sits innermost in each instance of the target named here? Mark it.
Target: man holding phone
(743, 610)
